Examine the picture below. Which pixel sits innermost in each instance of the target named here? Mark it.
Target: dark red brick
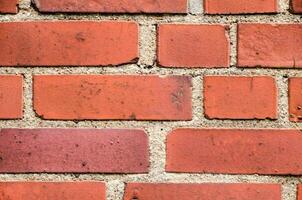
(73, 150)
(112, 6)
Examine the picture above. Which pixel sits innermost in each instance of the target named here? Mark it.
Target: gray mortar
(157, 130)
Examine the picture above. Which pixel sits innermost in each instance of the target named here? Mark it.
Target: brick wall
(167, 100)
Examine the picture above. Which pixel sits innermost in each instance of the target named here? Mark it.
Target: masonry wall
(150, 99)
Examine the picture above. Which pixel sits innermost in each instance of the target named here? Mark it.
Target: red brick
(295, 99)
(78, 43)
(125, 97)
(112, 6)
(202, 191)
(235, 151)
(73, 150)
(191, 45)
(240, 97)
(11, 94)
(240, 7)
(8, 6)
(270, 45)
(52, 190)
(299, 193)
(296, 6)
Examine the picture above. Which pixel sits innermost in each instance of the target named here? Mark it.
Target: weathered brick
(238, 97)
(240, 7)
(125, 97)
(77, 43)
(235, 151)
(295, 99)
(148, 191)
(112, 6)
(52, 191)
(11, 95)
(9, 6)
(191, 45)
(299, 192)
(296, 6)
(270, 45)
(73, 150)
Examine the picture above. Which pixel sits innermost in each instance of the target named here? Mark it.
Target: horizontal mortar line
(31, 124)
(146, 19)
(168, 178)
(162, 71)
(31, 10)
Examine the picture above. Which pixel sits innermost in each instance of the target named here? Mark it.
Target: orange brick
(52, 190)
(296, 6)
(238, 97)
(270, 45)
(240, 7)
(11, 95)
(8, 6)
(188, 45)
(235, 151)
(295, 99)
(124, 97)
(68, 43)
(168, 191)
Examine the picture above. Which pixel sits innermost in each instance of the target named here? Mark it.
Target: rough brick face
(8, 6)
(122, 97)
(11, 94)
(202, 191)
(235, 97)
(295, 99)
(188, 45)
(52, 191)
(234, 151)
(296, 6)
(270, 45)
(299, 193)
(91, 89)
(79, 43)
(240, 7)
(113, 6)
(73, 150)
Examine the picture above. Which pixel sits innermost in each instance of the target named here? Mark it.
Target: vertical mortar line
(29, 116)
(197, 101)
(233, 44)
(195, 7)
(147, 45)
(24, 5)
(289, 190)
(282, 103)
(283, 6)
(157, 149)
(115, 190)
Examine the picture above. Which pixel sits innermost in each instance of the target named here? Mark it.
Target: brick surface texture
(8, 6)
(150, 99)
